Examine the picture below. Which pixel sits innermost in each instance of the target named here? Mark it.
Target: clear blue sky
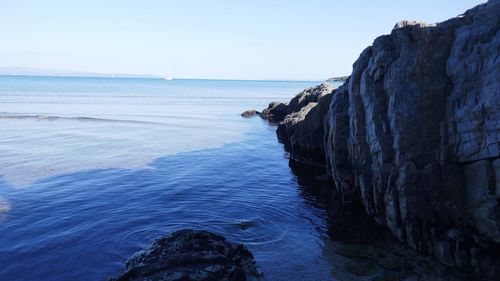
(234, 39)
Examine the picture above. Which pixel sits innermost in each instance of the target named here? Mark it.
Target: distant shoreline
(157, 78)
(338, 79)
(79, 76)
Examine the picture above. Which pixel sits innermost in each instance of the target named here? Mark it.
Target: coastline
(405, 154)
(392, 175)
(402, 140)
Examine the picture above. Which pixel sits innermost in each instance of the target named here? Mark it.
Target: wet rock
(191, 255)
(245, 224)
(250, 113)
(275, 111)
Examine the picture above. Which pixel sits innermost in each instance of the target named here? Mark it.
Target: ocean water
(94, 169)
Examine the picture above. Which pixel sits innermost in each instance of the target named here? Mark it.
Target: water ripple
(78, 118)
(98, 187)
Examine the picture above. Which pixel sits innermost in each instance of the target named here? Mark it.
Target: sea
(94, 169)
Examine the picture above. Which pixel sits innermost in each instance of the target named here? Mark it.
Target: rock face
(414, 135)
(302, 129)
(191, 255)
(311, 95)
(275, 112)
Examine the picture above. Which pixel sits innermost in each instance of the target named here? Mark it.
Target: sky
(217, 39)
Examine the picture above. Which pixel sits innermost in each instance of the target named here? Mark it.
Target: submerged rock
(250, 113)
(191, 255)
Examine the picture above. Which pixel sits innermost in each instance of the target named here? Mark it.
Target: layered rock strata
(414, 135)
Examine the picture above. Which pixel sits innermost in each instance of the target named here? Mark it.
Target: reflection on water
(355, 246)
(4, 206)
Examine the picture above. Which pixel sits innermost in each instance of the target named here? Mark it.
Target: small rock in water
(244, 224)
(250, 113)
(191, 255)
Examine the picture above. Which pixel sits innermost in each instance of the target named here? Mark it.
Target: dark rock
(250, 113)
(313, 94)
(302, 131)
(390, 276)
(354, 236)
(392, 263)
(191, 255)
(275, 112)
(353, 251)
(414, 134)
(360, 267)
(405, 23)
(245, 224)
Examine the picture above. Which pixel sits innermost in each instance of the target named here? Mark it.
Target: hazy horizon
(42, 72)
(282, 40)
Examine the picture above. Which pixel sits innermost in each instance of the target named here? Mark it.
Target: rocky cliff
(414, 135)
(302, 129)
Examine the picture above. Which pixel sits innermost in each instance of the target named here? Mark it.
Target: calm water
(93, 169)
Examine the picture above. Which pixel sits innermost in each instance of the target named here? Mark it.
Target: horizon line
(153, 77)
